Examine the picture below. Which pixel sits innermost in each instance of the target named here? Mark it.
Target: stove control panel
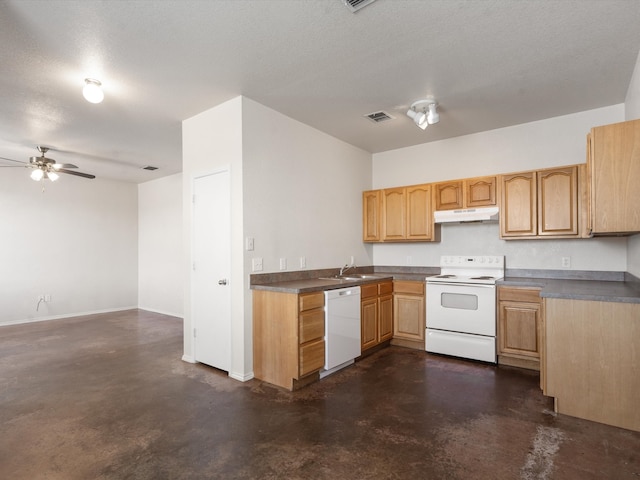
(480, 261)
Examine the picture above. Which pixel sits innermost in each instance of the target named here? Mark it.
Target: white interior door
(211, 300)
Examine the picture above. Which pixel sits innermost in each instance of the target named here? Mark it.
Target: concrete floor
(107, 397)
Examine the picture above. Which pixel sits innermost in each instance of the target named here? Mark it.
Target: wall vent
(149, 167)
(379, 117)
(355, 5)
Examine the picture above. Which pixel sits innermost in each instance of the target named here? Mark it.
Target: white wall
(211, 141)
(632, 112)
(76, 241)
(160, 280)
(302, 193)
(547, 143)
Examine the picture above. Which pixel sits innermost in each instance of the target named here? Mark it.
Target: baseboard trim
(66, 315)
(240, 377)
(161, 312)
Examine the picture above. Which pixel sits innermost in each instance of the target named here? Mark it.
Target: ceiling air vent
(379, 117)
(149, 167)
(355, 5)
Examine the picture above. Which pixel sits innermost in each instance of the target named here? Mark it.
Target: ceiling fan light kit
(92, 90)
(424, 113)
(47, 168)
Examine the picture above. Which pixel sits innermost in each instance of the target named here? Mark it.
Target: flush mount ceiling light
(424, 113)
(92, 90)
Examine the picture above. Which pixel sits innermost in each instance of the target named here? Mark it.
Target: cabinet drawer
(385, 288)
(531, 295)
(415, 288)
(311, 325)
(370, 290)
(311, 357)
(311, 300)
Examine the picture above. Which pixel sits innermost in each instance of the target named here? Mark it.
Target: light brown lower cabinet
(592, 360)
(520, 320)
(409, 314)
(288, 337)
(376, 313)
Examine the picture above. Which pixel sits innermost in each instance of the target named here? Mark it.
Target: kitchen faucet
(345, 268)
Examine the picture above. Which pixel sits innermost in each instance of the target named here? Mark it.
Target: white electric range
(461, 307)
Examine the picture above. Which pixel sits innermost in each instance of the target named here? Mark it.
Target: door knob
(222, 282)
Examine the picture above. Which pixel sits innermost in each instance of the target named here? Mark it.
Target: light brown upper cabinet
(371, 216)
(558, 201)
(403, 214)
(467, 193)
(449, 195)
(394, 214)
(480, 192)
(613, 165)
(542, 204)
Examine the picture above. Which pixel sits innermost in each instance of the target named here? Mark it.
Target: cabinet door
(518, 209)
(558, 201)
(394, 214)
(369, 323)
(614, 171)
(419, 215)
(448, 195)
(519, 329)
(371, 216)
(408, 313)
(480, 192)
(385, 318)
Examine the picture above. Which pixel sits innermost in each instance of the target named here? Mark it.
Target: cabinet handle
(222, 282)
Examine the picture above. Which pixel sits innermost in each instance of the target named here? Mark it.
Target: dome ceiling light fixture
(424, 113)
(92, 90)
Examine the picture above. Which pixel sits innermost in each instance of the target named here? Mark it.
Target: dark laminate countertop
(594, 290)
(575, 285)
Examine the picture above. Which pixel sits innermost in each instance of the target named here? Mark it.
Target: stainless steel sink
(352, 277)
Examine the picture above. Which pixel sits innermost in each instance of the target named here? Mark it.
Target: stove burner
(445, 276)
(485, 277)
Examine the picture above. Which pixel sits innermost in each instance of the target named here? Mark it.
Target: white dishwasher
(341, 328)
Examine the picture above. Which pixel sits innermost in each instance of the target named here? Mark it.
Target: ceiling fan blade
(11, 160)
(58, 166)
(79, 174)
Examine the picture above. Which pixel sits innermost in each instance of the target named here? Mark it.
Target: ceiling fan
(47, 168)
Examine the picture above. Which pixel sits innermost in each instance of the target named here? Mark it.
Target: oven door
(461, 308)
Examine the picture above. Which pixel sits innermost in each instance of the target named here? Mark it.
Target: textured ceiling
(490, 64)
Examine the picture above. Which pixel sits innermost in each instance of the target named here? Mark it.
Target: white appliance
(461, 307)
(342, 328)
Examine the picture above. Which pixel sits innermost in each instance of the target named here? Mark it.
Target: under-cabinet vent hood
(485, 214)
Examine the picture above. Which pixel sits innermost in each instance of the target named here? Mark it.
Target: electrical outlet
(353, 260)
(256, 264)
(409, 260)
(566, 262)
(283, 264)
(248, 244)
(47, 297)
(303, 262)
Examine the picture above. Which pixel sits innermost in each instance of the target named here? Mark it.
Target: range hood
(485, 214)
